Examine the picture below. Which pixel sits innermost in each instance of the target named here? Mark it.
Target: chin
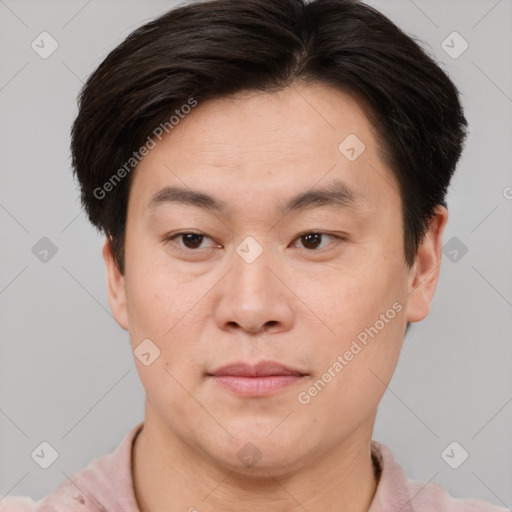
(253, 451)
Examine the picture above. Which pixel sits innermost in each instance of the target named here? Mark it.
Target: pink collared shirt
(105, 485)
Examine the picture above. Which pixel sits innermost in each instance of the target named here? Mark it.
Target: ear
(424, 274)
(115, 287)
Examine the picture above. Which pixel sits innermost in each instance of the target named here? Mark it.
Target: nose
(254, 297)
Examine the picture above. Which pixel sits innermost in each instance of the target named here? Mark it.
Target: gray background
(67, 375)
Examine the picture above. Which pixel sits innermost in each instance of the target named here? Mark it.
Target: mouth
(262, 379)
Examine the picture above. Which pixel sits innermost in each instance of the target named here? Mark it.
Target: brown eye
(313, 240)
(189, 240)
(192, 240)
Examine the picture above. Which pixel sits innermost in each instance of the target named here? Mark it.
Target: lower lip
(256, 386)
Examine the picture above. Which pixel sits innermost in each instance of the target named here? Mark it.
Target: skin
(300, 303)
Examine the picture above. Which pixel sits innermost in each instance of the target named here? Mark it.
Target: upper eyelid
(336, 237)
(177, 235)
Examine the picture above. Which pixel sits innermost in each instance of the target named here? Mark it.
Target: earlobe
(115, 286)
(425, 271)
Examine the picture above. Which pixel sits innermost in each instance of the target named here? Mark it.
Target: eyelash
(171, 238)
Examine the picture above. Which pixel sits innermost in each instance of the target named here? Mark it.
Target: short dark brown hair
(217, 48)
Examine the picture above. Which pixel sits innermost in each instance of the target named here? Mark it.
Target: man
(270, 177)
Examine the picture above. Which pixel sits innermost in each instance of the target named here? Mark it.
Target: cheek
(348, 302)
(150, 307)
(166, 309)
(155, 295)
(161, 313)
(355, 370)
(363, 322)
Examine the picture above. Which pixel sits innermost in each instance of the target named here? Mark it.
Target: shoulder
(396, 491)
(19, 504)
(54, 502)
(79, 493)
(105, 484)
(436, 497)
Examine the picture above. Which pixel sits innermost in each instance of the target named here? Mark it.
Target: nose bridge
(252, 270)
(252, 297)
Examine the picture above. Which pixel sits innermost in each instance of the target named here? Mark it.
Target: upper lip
(261, 369)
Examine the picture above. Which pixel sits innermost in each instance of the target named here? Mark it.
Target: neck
(169, 475)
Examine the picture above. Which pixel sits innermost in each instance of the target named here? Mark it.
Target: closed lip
(261, 369)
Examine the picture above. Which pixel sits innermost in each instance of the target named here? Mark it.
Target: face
(296, 257)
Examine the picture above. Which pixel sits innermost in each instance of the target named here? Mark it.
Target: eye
(312, 240)
(190, 240)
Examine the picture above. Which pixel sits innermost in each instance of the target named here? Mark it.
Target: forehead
(256, 149)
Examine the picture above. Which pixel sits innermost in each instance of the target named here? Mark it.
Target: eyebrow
(336, 194)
